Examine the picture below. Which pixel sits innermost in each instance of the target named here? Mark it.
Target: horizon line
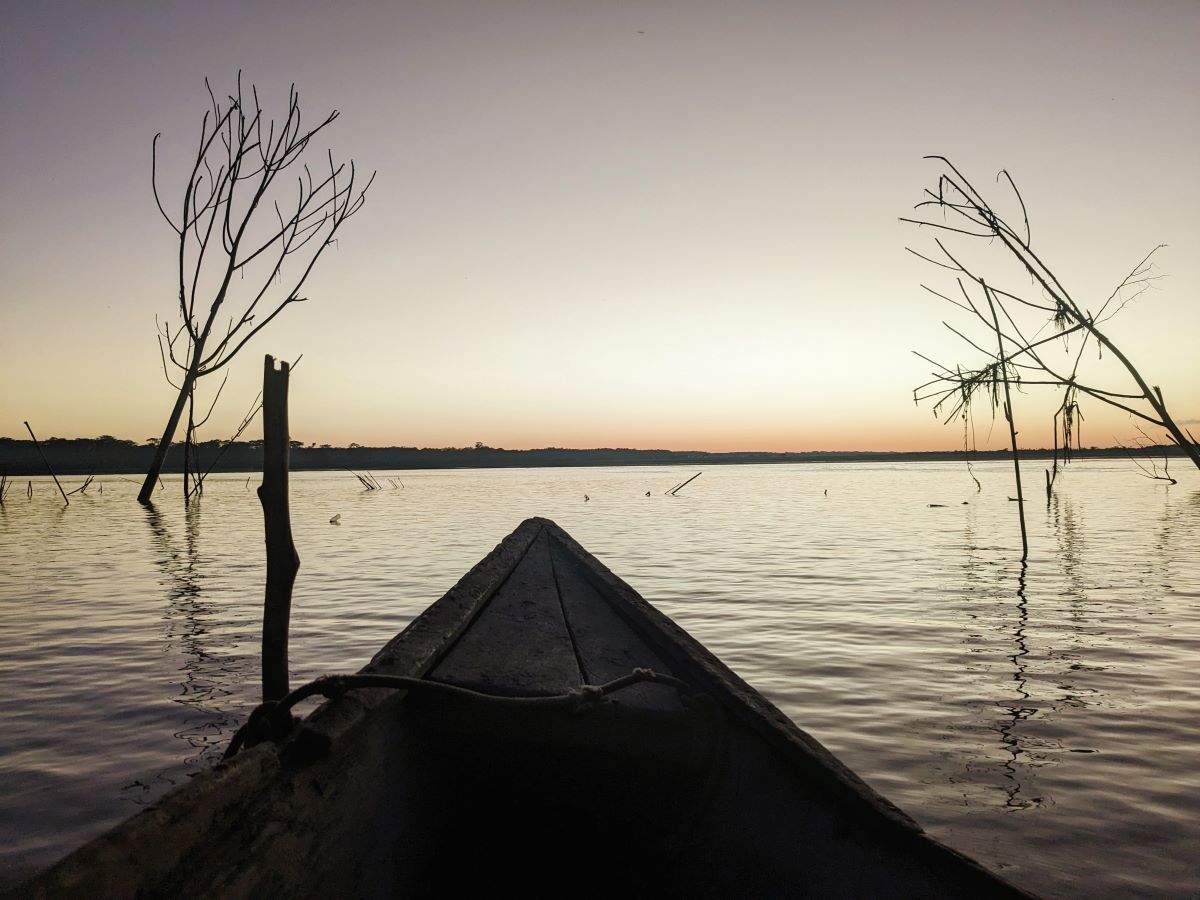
(481, 447)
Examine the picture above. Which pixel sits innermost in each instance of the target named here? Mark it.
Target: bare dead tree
(247, 239)
(1030, 322)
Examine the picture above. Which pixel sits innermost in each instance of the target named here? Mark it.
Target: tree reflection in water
(988, 582)
(1018, 711)
(1083, 627)
(212, 674)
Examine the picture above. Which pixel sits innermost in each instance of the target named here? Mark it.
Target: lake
(1044, 720)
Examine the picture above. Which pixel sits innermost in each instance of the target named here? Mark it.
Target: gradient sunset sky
(658, 224)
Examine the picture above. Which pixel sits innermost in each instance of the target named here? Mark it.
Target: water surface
(1044, 720)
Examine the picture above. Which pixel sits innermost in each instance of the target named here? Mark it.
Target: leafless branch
(239, 224)
(1016, 323)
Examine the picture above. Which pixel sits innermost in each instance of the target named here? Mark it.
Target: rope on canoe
(273, 720)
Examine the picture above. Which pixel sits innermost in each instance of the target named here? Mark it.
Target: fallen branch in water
(675, 490)
(47, 464)
(368, 480)
(82, 489)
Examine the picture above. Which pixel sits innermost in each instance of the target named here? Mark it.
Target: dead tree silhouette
(238, 225)
(1023, 318)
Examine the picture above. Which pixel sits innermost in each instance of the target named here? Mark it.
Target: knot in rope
(330, 686)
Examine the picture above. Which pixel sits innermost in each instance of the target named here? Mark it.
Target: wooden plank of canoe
(420, 646)
(607, 647)
(519, 644)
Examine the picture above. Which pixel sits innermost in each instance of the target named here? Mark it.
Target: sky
(657, 225)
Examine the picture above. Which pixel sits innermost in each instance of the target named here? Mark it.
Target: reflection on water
(196, 629)
(1004, 706)
(992, 582)
(1017, 712)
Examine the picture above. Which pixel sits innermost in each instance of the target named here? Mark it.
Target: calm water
(1047, 723)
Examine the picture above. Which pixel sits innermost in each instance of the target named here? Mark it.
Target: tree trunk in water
(187, 445)
(1008, 415)
(164, 444)
(282, 560)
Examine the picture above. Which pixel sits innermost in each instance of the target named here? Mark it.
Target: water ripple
(1044, 720)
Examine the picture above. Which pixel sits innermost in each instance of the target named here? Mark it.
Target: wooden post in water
(282, 560)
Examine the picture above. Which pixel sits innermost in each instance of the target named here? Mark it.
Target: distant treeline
(109, 455)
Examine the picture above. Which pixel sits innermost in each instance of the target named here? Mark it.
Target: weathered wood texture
(520, 644)
(282, 559)
(606, 645)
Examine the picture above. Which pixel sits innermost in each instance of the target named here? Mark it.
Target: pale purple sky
(634, 224)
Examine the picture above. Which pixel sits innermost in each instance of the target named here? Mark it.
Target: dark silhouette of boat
(543, 731)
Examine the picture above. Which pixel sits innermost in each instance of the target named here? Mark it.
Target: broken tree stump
(282, 559)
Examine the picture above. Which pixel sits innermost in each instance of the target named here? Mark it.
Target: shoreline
(115, 457)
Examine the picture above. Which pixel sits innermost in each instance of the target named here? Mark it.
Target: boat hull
(482, 786)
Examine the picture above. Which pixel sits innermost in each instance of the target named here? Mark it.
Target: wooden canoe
(654, 790)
